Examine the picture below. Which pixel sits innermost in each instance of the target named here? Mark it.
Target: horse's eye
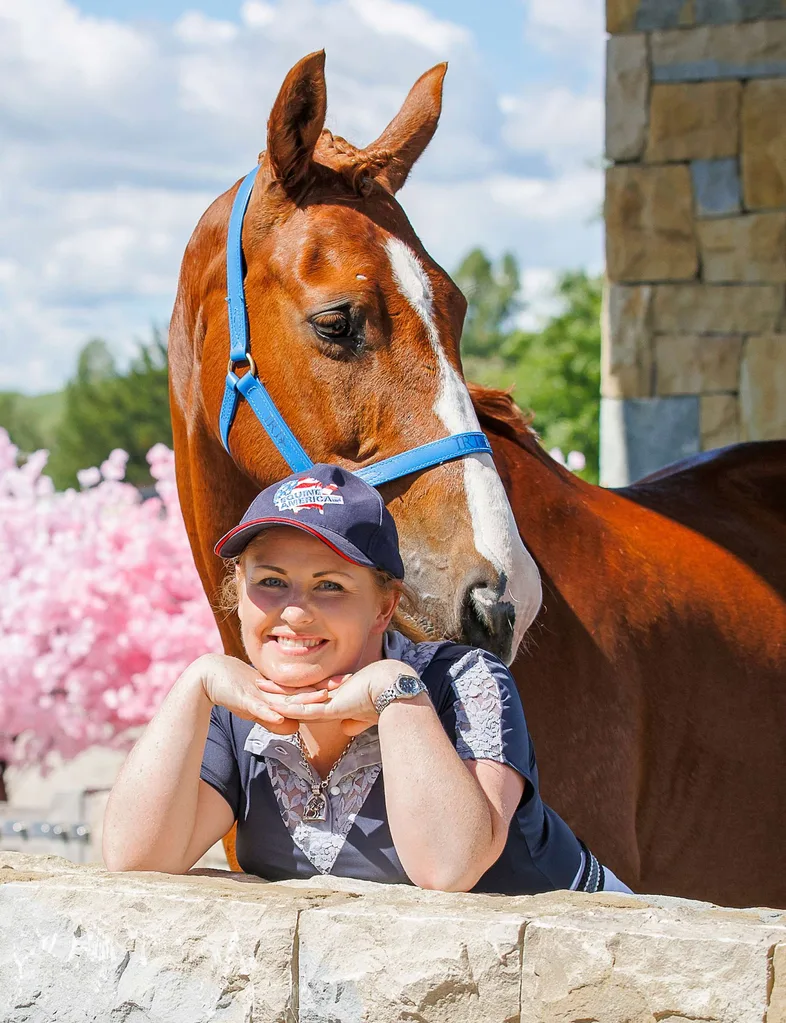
(333, 324)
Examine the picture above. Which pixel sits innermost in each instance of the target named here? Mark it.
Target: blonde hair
(405, 620)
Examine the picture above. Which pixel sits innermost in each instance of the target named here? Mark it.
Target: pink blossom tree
(101, 606)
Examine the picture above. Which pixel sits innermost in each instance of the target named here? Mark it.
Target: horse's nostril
(487, 621)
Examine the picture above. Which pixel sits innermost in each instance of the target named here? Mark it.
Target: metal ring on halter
(249, 358)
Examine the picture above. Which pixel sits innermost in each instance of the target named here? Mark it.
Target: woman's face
(306, 613)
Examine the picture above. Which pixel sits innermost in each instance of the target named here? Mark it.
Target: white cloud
(580, 21)
(392, 17)
(566, 128)
(117, 136)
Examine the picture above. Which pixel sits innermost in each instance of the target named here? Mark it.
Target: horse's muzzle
(488, 621)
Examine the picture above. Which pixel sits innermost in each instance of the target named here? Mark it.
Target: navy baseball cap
(332, 504)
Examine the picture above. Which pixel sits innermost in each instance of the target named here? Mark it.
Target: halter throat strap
(249, 387)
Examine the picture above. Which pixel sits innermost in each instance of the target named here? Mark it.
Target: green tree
(106, 409)
(554, 371)
(492, 302)
(20, 423)
(558, 371)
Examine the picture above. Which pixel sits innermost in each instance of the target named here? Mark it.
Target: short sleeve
(219, 762)
(486, 714)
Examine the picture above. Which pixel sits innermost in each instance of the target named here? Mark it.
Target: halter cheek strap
(249, 387)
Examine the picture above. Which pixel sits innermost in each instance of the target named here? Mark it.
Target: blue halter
(458, 445)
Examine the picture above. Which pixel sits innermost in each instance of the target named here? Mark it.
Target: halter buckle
(248, 358)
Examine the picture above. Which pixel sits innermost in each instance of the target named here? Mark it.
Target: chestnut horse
(653, 677)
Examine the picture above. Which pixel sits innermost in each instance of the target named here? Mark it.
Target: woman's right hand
(231, 683)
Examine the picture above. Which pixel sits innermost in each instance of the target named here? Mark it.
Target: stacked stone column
(694, 350)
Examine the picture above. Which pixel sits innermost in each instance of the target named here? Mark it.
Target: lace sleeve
(489, 719)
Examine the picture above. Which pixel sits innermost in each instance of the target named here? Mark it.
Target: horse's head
(355, 333)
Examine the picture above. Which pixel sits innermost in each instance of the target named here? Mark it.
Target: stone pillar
(694, 339)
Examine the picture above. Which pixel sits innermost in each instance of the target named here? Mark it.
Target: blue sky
(123, 119)
(497, 26)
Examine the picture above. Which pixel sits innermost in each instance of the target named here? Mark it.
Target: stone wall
(694, 327)
(78, 944)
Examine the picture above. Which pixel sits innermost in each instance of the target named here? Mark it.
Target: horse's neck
(556, 512)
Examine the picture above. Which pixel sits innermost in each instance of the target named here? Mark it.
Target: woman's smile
(297, 646)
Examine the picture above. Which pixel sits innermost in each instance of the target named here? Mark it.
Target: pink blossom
(575, 460)
(101, 607)
(88, 477)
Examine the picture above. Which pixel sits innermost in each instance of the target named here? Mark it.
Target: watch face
(408, 686)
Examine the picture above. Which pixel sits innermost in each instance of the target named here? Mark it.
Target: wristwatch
(404, 688)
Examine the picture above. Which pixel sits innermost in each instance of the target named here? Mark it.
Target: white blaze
(494, 529)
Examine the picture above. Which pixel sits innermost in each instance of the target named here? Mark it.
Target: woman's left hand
(351, 697)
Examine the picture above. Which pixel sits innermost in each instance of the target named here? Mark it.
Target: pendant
(316, 808)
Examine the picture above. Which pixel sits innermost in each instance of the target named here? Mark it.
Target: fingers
(309, 694)
(262, 712)
(294, 707)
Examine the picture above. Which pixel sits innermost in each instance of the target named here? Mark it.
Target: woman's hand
(231, 683)
(350, 698)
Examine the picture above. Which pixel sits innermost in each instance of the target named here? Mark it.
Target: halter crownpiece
(249, 386)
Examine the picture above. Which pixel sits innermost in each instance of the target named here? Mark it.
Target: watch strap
(395, 691)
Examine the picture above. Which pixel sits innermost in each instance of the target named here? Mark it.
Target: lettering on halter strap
(306, 493)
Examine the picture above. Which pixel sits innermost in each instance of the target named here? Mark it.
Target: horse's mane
(498, 412)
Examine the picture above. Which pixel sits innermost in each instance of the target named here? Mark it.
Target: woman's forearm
(151, 812)
(438, 815)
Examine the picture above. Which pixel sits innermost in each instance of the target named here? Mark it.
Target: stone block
(620, 975)
(756, 49)
(694, 121)
(763, 144)
(105, 947)
(649, 224)
(627, 94)
(716, 308)
(640, 435)
(620, 15)
(763, 388)
(719, 420)
(750, 248)
(777, 1010)
(365, 963)
(716, 187)
(692, 364)
(626, 351)
(663, 14)
(720, 12)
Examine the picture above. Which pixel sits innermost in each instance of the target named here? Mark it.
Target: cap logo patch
(306, 492)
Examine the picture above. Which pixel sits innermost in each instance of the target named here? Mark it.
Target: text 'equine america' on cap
(330, 503)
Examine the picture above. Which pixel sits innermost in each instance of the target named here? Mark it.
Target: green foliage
(22, 426)
(492, 302)
(555, 371)
(106, 409)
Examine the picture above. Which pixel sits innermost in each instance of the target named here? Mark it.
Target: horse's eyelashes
(335, 325)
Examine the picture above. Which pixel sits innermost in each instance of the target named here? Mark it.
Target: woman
(343, 747)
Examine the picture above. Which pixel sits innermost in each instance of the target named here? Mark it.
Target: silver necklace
(316, 807)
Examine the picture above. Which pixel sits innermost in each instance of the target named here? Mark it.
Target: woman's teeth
(297, 644)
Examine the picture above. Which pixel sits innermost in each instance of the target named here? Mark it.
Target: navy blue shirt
(263, 778)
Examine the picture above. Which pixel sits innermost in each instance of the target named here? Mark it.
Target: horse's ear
(296, 122)
(410, 131)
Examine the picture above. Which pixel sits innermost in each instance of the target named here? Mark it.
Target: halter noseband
(446, 449)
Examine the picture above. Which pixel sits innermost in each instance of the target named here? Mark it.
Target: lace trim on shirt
(321, 841)
(478, 709)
